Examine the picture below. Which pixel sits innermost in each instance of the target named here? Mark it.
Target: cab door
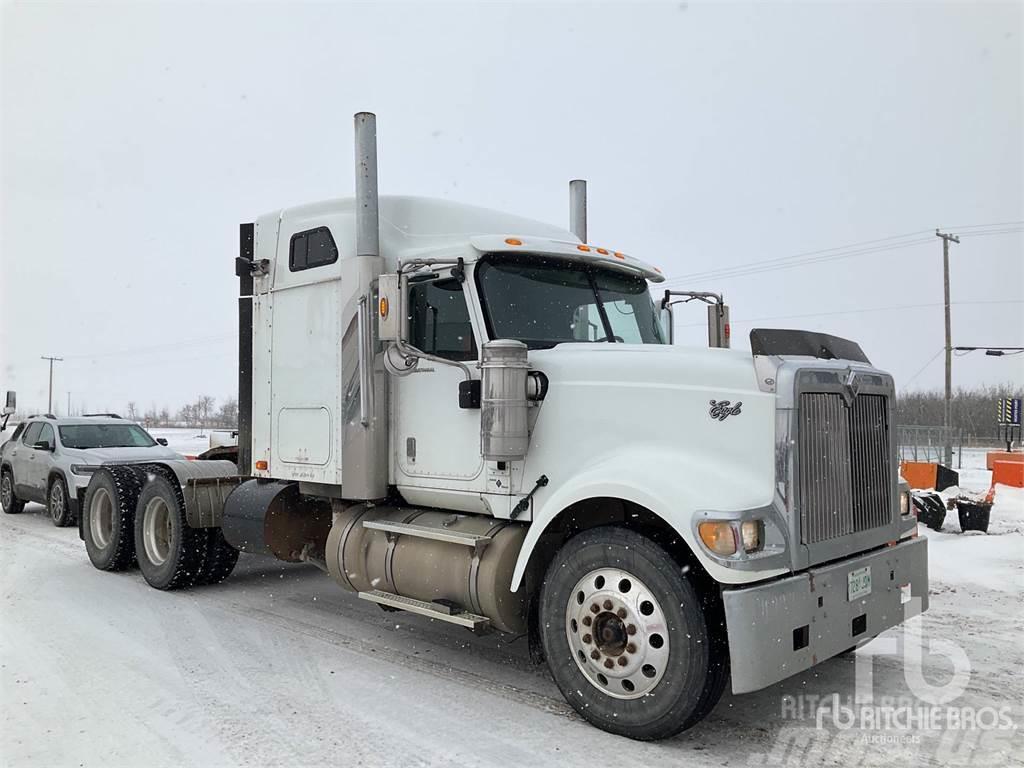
(437, 443)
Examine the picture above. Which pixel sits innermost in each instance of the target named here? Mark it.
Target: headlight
(83, 469)
(905, 505)
(751, 530)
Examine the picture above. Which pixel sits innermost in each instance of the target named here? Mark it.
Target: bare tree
(133, 413)
(228, 415)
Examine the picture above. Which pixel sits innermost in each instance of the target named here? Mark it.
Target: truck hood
(726, 372)
(110, 455)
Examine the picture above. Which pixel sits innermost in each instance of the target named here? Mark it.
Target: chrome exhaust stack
(364, 439)
(578, 208)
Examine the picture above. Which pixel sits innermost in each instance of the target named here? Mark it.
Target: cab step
(441, 612)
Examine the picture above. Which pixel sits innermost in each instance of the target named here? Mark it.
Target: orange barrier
(927, 474)
(1008, 473)
(993, 456)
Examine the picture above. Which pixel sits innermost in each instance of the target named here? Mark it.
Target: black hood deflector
(780, 341)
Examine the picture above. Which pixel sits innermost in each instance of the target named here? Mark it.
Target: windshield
(105, 436)
(543, 302)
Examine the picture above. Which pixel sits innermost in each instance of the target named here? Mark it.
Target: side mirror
(43, 445)
(667, 328)
(162, 440)
(12, 403)
(389, 303)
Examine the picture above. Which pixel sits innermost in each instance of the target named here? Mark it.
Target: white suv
(51, 460)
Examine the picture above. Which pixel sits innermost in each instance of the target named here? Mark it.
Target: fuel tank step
(478, 624)
(476, 541)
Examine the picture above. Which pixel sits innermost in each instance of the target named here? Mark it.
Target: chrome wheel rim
(101, 518)
(6, 493)
(57, 501)
(156, 531)
(617, 633)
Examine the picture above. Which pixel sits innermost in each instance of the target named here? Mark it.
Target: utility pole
(946, 420)
(69, 405)
(49, 401)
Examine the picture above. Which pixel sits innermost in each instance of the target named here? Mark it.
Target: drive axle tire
(220, 559)
(108, 517)
(58, 503)
(170, 553)
(626, 636)
(11, 504)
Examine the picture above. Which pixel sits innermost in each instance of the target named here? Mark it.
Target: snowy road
(277, 666)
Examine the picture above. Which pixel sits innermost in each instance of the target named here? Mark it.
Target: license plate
(858, 583)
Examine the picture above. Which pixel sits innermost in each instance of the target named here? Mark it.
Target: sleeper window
(312, 248)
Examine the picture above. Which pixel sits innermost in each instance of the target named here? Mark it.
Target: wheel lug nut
(607, 605)
(621, 613)
(631, 629)
(609, 663)
(623, 661)
(595, 655)
(586, 621)
(631, 648)
(594, 608)
(586, 639)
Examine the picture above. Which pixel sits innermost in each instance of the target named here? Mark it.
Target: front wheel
(626, 637)
(58, 504)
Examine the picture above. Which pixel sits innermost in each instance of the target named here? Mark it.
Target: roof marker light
(618, 255)
(603, 251)
(583, 247)
(513, 241)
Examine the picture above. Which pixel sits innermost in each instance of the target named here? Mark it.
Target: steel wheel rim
(101, 518)
(156, 531)
(617, 632)
(6, 494)
(57, 501)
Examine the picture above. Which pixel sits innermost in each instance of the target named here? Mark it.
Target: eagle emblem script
(723, 409)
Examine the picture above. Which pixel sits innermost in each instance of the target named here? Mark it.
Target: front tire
(11, 504)
(58, 504)
(626, 637)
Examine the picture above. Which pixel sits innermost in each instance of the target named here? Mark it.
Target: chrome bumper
(784, 627)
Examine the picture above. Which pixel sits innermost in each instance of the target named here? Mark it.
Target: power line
(862, 248)
(921, 370)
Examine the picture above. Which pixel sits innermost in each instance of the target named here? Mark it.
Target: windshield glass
(543, 302)
(105, 436)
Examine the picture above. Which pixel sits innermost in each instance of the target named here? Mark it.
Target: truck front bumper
(786, 626)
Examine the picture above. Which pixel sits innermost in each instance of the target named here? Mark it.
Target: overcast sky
(135, 138)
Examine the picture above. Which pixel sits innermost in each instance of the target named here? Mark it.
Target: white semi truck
(481, 419)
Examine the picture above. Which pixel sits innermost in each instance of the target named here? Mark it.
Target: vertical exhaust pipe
(578, 208)
(364, 428)
(367, 218)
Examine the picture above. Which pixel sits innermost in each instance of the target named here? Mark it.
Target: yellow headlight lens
(718, 537)
(904, 503)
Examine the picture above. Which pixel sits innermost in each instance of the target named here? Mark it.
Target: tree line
(972, 411)
(201, 413)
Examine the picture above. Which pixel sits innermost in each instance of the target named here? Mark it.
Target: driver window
(31, 436)
(439, 320)
(46, 433)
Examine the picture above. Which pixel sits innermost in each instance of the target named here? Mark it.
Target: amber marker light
(718, 537)
(583, 248)
(261, 464)
(384, 306)
(603, 251)
(513, 241)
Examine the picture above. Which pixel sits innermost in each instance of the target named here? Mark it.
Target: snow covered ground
(278, 666)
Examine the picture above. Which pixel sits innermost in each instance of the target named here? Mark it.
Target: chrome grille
(845, 468)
